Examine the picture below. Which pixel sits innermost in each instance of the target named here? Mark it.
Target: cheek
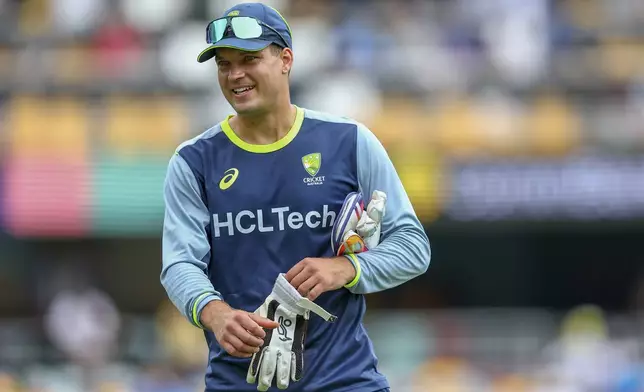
(270, 80)
(221, 77)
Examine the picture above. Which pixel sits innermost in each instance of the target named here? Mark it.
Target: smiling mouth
(242, 90)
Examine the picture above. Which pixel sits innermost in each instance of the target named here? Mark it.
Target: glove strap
(288, 296)
(317, 309)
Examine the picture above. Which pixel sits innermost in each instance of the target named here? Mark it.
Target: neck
(267, 127)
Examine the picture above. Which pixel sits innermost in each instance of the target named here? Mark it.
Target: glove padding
(370, 224)
(281, 356)
(344, 238)
(353, 230)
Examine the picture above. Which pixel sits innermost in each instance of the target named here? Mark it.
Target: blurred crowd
(108, 88)
(85, 344)
(462, 78)
(440, 82)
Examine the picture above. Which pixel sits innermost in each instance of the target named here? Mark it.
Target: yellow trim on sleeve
(195, 305)
(356, 264)
(264, 148)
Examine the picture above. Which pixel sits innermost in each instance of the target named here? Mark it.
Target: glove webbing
(298, 347)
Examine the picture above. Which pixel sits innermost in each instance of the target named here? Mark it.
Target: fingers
(267, 369)
(307, 285)
(247, 337)
(230, 349)
(235, 348)
(301, 272)
(300, 278)
(283, 370)
(253, 368)
(238, 342)
(241, 335)
(310, 275)
(315, 292)
(262, 322)
(254, 324)
(294, 271)
(239, 348)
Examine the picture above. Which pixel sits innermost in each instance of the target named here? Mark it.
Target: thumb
(263, 321)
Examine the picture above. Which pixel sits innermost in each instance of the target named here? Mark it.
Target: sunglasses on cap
(242, 27)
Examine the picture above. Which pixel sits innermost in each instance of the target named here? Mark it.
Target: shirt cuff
(198, 306)
(356, 265)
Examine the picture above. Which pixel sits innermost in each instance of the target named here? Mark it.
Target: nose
(235, 73)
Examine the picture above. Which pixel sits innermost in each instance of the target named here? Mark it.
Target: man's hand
(238, 332)
(281, 357)
(314, 276)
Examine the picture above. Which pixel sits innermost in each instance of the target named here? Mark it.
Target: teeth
(242, 90)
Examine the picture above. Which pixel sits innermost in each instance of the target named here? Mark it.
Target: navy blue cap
(266, 14)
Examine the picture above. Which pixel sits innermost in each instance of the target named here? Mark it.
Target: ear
(287, 60)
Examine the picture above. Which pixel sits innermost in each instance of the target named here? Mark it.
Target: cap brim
(248, 45)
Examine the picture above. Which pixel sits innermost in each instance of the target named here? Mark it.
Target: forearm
(189, 289)
(185, 243)
(404, 251)
(404, 255)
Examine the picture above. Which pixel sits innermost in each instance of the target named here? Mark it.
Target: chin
(247, 108)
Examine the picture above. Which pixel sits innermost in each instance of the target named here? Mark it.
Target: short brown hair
(275, 49)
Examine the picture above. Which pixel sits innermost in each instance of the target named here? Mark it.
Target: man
(256, 196)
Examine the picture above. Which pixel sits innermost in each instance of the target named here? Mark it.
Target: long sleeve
(186, 245)
(404, 251)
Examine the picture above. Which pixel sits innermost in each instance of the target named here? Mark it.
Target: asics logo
(276, 219)
(229, 178)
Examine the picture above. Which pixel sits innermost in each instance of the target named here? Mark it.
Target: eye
(250, 58)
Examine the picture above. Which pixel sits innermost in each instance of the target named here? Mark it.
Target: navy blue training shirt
(239, 214)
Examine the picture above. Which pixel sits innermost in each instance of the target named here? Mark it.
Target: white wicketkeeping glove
(355, 231)
(281, 356)
(370, 223)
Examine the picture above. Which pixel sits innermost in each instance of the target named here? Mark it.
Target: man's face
(251, 81)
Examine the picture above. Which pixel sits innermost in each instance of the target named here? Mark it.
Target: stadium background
(516, 126)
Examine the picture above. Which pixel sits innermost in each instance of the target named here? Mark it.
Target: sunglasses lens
(219, 27)
(246, 28)
(216, 30)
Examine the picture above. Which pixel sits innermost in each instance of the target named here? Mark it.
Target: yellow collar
(264, 148)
